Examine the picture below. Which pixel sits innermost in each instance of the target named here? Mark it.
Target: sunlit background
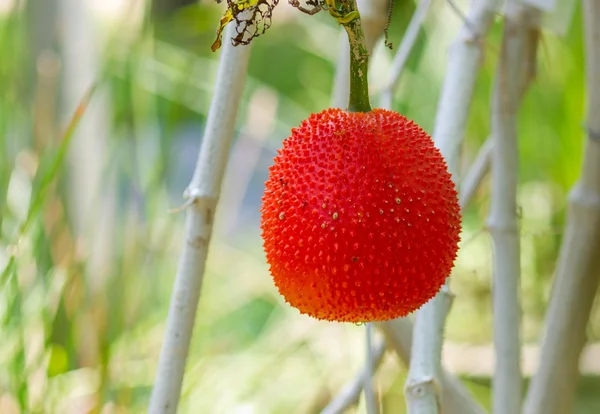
(89, 237)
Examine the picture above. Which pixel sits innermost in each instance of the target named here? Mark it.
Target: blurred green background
(89, 244)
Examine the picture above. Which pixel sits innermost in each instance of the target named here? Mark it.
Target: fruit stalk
(359, 59)
(373, 18)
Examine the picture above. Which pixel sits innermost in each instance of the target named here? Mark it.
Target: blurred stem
(47, 178)
(41, 23)
(552, 390)
(350, 393)
(464, 60)
(15, 312)
(516, 68)
(370, 400)
(90, 191)
(409, 40)
(359, 58)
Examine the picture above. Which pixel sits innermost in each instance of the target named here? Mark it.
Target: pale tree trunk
(552, 389)
(203, 194)
(91, 195)
(41, 89)
(42, 39)
(422, 394)
(515, 70)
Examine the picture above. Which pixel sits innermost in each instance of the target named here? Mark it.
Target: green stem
(359, 64)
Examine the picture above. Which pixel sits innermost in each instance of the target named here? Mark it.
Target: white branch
(408, 42)
(398, 335)
(203, 193)
(457, 93)
(421, 385)
(91, 191)
(370, 401)
(474, 175)
(552, 389)
(455, 398)
(515, 68)
(350, 393)
(464, 59)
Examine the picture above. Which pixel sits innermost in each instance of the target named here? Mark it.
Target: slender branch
(421, 389)
(453, 109)
(455, 397)
(398, 335)
(350, 393)
(93, 215)
(552, 389)
(515, 66)
(408, 42)
(464, 59)
(474, 175)
(370, 401)
(203, 193)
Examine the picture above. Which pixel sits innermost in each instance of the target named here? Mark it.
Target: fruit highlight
(360, 218)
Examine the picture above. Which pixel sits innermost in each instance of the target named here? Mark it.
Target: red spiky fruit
(360, 217)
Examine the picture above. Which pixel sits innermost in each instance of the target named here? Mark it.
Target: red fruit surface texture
(360, 218)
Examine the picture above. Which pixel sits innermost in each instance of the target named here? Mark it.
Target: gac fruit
(360, 218)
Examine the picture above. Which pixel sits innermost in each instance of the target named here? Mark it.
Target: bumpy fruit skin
(360, 217)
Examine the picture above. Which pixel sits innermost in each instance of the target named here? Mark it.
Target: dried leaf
(252, 18)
